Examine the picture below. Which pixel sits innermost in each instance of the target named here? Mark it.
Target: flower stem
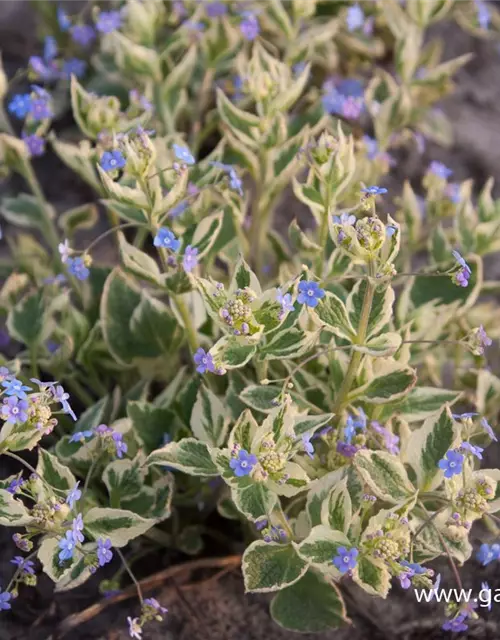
(130, 573)
(192, 338)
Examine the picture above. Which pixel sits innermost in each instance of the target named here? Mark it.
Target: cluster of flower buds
(236, 312)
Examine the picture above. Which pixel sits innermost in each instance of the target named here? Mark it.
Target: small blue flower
(81, 436)
(390, 230)
(166, 239)
(74, 495)
(77, 528)
(27, 566)
(108, 21)
(461, 261)
(112, 160)
(355, 17)
(374, 191)
(243, 464)
(456, 624)
(15, 410)
(40, 108)
(204, 361)
(67, 546)
(104, 553)
(63, 19)
(474, 450)
(190, 259)
(5, 598)
(216, 9)
(452, 192)
(20, 105)
(345, 218)
(60, 395)
(310, 293)
(487, 553)
(346, 559)
(49, 48)
(308, 445)
(82, 34)
(35, 144)
(15, 387)
(120, 446)
(452, 463)
(464, 416)
(483, 14)
(487, 427)
(183, 154)
(74, 67)
(440, 170)
(78, 268)
(286, 302)
(249, 26)
(415, 567)
(15, 485)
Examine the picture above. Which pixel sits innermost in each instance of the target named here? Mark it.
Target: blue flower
(5, 598)
(26, 566)
(243, 464)
(345, 218)
(285, 300)
(216, 9)
(154, 604)
(235, 182)
(190, 259)
(20, 105)
(120, 445)
(77, 528)
(487, 427)
(67, 546)
(40, 108)
(183, 154)
(81, 436)
(346, 559)
(49, 48)
(452, 463)
(166, 239)
(63, 19)
(461, 261)
(461, 277)
(34, 144)
(112, 160)
(440, 170)
(104, 553)
(108, 21)
(355, 17)
(308, 445)
(310, 293)
(476, 451)
(371, 145)
(15, 410)
(204, 361)
(78, 268)
(74, 495)
(75, 67)
(483, 14)
(15, 387)
(249, 26)
(346, 449)
(82, 34)
(452, 192)
(456, 624)
(60, 395)
(464, 416)
(415, 567)
(487, 553)
(374, 191)
(15, 485)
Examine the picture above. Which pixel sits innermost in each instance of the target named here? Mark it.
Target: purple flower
(487, 427)
(452, 463)
(81, 436)
(204, 361)
(108, 21)
(154, 604)
(416, 568)
(455, 625)
(345, 449)
(461, 277)
(464, 416)
(286, 302)
(310, 293)
(112, 160)
(134, 628)
(75, 67)
(40, 109)
(235, 182)
(15, 410)
(78, 268)
(15, 485)
(461, 261)
(194, 25)
(14, 387)
(120, 445)
(483, 14)
(82, 34)
(216, 9)
(183, 154)
(67, 546)
(243, 464)
(58, 392)
(74, 495)
(374, 191)
(405, 578)
(346, 559)
(346, 219)
(4, 372)
(484, 339)
(308, 445)
(63, 19)
(355, 17)
(166, 239)
(391, 441)
(77, 528)
(476, 451)
(487, 553)
(5, 598)
(190, 259)
(20, 105)
(104, 553)
(452, 192)
(440, 170)
(249, 26)
(35, 144)
(27, 566)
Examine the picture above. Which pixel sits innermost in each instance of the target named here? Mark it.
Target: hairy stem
(130, 573)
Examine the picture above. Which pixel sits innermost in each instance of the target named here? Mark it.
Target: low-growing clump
(328, 387)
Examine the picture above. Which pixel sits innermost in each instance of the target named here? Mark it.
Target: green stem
(323, 235)
(280, 516)
(191, 335)
(356, 356)
(14, 456)
(88, 477)
(261, 368)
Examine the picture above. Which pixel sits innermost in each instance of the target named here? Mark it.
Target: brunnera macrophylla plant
(296, 379)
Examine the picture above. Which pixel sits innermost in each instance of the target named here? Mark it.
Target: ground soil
(220, 610)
